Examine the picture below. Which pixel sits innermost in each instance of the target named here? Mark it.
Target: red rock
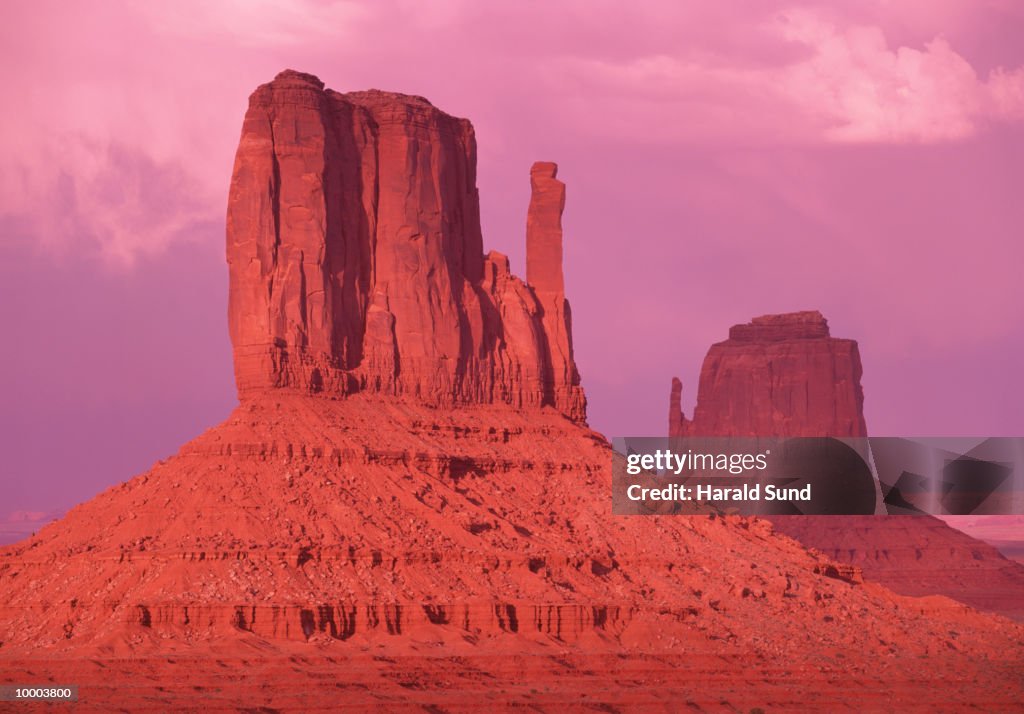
(779, 375)
(784, 375)
(407, 551)
(387, 550)
(356, 258)
(917, 555)
(677, 422)
(544, 273)
(544, 229)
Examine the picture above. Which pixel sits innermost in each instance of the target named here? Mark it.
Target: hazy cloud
(92, 84)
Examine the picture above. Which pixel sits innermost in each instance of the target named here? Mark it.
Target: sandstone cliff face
(383, 550)
(777, 375)
(356, 259)
(784, 375)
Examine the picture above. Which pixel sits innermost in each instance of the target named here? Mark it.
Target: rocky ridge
(407, 509)
(785, 375)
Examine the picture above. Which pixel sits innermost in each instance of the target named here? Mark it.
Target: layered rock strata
(785, 375)
(440, 534)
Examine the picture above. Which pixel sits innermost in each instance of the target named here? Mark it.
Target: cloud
(841, 84)
(257, 23)
(114, 103)
(116, 198)
(1006, 94)
(865, 91)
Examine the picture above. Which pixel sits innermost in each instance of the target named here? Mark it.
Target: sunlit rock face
(356, 258)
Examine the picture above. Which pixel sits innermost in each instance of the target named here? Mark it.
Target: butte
(407, 508)
(785, 375)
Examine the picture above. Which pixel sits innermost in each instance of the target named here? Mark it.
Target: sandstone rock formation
(391, 553)
(356, 259)
(916, 555)
(784, 375)
(544, 274)
(381, 551)
(777, 375)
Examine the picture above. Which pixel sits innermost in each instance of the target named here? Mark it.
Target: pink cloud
(259, 23)
(82, 191)
(866, 91)
(169, 83)
(842, 84)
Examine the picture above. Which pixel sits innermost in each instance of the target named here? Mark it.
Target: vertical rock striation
(777, 375)
(785, 375)
(444, 554)
(356, 259)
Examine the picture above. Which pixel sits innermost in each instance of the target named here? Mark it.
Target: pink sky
(723, 160)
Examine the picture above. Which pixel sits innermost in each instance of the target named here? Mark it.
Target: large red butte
(406, 510)
(777, 375)
(357, 262)
(785, 375)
